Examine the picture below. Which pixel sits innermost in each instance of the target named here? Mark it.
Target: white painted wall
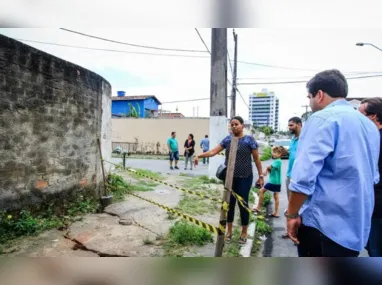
(218, 131)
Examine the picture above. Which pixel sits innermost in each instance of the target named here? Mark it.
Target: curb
(245, 251)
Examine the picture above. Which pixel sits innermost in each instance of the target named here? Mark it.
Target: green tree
(266, 130)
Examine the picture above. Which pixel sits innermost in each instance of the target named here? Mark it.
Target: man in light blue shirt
(333, 177)
(205, 145)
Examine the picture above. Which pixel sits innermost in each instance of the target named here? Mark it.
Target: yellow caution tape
(240, 199)
(208, 227)
(170, 185)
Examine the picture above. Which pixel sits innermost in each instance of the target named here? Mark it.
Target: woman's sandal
(242, 240)
(228, 238)
(255, 211)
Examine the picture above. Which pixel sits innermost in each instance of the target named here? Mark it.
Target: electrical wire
(201, 38)
(113, 50)
(304, 76)
(129, 44)
(229, 60)
(189, 100)
(298, 69)
(304, 81)
(242, 98)
(170, 55)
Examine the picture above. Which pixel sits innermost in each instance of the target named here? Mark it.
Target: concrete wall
(51, 114)
(148, 132)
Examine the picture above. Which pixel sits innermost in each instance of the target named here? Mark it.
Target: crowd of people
(333, 177)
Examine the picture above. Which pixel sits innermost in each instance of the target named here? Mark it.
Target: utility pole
(234, 77)
(218, 95)
(219, 123)
(306, 111)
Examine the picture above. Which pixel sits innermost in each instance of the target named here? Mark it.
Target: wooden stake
(102, 166)
(227, 194)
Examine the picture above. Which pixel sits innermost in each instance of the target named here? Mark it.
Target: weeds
(183, 234)
(155, 175)
(263, 228)
(233, 249)
(267, 197)
(28, 224)
(120, 187)
(194, 205)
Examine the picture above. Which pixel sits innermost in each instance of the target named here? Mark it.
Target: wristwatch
(288, 216)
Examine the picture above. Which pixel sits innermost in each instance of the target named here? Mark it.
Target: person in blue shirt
(247, 150)
(173, 148)
(333, 176)
(372, 109)
(205, 146)
(294, 125)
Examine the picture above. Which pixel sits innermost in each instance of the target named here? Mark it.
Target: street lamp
(367, 44)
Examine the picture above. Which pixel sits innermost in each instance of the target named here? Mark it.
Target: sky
(172, 78)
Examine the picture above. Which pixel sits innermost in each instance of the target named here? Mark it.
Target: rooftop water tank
(121, 93)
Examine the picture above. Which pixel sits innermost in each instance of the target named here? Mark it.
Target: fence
(130, 147)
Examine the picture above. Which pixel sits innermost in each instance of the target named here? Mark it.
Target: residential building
(142, 106)
(264, 109)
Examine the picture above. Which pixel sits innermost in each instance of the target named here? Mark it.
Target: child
(274, 184)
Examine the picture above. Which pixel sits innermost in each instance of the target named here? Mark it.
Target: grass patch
(199, 182)
(256, 244)
(233, 249)
(183, 234)
(146, 172)
(263, 228)
(267, 197)
(27, 224)
(251, 198)
(267, 154)
(120, 187)
(194, 205)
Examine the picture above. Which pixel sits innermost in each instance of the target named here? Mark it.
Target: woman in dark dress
(243, 174)
(189, 150)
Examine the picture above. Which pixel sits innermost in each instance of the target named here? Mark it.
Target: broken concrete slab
(102, 233)
(48, 244)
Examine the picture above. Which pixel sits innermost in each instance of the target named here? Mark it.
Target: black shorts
(272, 187)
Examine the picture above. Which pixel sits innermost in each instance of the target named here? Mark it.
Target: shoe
(172, 168)
(185, 169)
(228, 238)
(176, 167)
(242, 240)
